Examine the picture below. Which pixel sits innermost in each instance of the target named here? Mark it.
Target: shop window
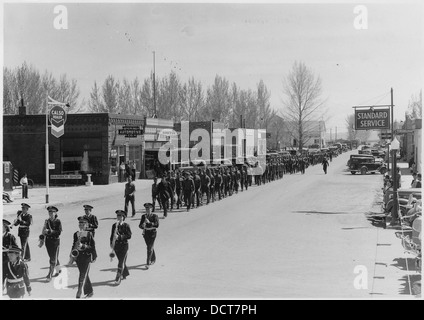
(81, 155)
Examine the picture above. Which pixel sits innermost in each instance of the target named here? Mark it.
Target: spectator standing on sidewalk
(24, 183)
(129, 196)
(418, 184)
(122, 172)
(414, 180)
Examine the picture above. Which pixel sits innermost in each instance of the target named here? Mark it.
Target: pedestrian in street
(24, 183)
(50, 236)
(128, 172)
(149, 223)
(15, 274)
(83, 252)
(120, 234)
(155, 194)
(8, 239)
(164, 194)
(24, 220)
(129, 196)
(92, 222)
(188, 190)
(133, 170)
(325, 164)
(122, 172)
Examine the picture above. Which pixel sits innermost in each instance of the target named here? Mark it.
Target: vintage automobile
(366, 164)
(403, 197)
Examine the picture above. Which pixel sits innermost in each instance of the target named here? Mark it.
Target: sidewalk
(62, 196)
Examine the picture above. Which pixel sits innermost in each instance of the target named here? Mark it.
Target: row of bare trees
(176, 100)
(184, 101)
(27, 85)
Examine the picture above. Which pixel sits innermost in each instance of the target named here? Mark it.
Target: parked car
(366, 164)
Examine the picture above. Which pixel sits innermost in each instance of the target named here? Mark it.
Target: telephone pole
(154, 85)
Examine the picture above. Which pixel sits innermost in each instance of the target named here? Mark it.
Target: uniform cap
(6, 222)
(87, 206)
(14, 249)
(120, 212)
(82, 219)
(25, 205)
(148, 205)
(52, 208)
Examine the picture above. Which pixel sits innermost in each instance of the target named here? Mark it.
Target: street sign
(372, 119)
(57, 118)
(51, 166)
(130, 131)
(386, 135)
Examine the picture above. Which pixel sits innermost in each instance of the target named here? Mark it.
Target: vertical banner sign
(57, 118)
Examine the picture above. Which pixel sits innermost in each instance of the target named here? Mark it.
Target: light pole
(394, 147)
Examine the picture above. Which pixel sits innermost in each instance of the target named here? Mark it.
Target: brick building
(92, 143)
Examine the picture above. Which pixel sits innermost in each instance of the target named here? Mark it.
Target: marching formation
(177, 189)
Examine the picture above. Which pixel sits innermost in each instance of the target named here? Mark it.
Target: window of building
(81, 155)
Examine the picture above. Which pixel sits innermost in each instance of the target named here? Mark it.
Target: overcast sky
(244, 42)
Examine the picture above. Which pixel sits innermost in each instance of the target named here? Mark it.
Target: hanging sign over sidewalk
(372, 119)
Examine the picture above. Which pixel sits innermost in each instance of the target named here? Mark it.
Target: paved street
(305, 236)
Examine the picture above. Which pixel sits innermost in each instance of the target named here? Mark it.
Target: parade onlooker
(24, 183)
(414, 180)
(325, 164)
(418, 184)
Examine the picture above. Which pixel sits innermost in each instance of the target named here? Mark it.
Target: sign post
(57, 119)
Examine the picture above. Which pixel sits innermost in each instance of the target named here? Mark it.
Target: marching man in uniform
(15, 274)
(8, 240)
(24, 220)
(83, 252)
(149, 223)
(50, 236)
(121, 233)
(92, 222)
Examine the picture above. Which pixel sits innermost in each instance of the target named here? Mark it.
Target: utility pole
(154, 85)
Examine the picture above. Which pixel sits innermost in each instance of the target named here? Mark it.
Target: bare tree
(415, 106)
(264, 113)
(192, 100)
(218, 101)
(354, 135)
(95, 104)
(110, 91)
(303, 104)
(168, 100)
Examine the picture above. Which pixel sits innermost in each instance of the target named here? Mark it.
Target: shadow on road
(109, 283)
(321, 212)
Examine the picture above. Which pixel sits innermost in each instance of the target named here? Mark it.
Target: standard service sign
(370, 120)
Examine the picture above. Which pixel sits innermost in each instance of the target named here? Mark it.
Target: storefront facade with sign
(157, 133)
(91, 143)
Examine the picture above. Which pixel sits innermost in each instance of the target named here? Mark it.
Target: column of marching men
(180, 188)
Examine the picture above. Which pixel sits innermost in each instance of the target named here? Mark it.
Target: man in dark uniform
(83, 252)
(188, 189)
(211, 185)
(50, 236)
(206, 181)
(164, 194)
(129, 196)
(92, 222)
(8, 239)
(120, 234)
(15, 274)
(172, 184)
(197, 189)
(178, 189)
(155, 194)
(218, 183)
(24, 220)
(149, 223)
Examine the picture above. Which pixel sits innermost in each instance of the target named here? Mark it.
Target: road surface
(304, 236)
